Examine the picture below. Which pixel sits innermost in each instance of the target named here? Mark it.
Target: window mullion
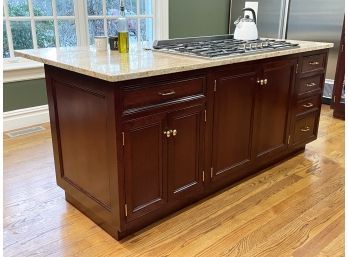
(55, 21)
(32, 22)
(154, 13)
(81, 21)
(104, 18)
(8, 29)
(138, 23)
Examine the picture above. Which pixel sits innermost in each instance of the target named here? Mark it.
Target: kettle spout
(238, 20)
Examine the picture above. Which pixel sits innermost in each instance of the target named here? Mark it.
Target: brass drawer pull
(308, 105)
(314, 63)
(167, 93)
(306, 129)
(311, 84)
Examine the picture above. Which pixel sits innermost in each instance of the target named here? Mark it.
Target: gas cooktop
(219, 46)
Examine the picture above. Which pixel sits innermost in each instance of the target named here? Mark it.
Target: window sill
(19, 69)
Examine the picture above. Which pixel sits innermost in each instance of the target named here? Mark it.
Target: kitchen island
(141, 135)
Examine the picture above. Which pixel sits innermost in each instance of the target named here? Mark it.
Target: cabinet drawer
(313, 63)
(137, 98)
(308, 104)
(305, 129)
(309, 85)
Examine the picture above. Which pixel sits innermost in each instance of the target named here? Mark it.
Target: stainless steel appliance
(312, 20)
(219, 46)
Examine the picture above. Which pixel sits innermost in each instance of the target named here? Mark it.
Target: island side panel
(82, 115)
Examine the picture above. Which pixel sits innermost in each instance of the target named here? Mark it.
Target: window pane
(67, 33)
(42, 7)
(18, 7)
(45, 34)
(131, 7)
(21, 35)
(6, 51)
(112, 7)
(112, 28)
(146, 7)
(94, 7)
(133, 30)
(65, 7)
(146, 30)
(95, 28)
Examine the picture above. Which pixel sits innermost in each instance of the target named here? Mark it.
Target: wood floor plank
(297, 232)
(322, 239)
(334, 249)
(271, 219)
(294, 208)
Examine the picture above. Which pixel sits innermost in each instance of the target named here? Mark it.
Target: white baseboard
(26, 117)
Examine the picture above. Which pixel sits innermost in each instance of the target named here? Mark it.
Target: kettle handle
(252, 11)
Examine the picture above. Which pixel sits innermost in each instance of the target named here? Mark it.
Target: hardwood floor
(294, 209)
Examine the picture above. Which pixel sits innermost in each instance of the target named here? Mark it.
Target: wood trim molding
(162, 19)
(19, 69)
(25, 117)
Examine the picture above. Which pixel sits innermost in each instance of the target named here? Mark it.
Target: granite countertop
(140, 63)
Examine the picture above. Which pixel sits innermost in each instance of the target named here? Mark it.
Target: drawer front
(313, 63)
(305, 129)
(308, 104)
(309, 85)
(137, 98)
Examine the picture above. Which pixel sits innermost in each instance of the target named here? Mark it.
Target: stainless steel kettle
(246, 27)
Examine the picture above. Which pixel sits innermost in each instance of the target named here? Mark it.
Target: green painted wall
(189, 18)
(24, 94)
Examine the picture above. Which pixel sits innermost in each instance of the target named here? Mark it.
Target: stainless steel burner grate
(219, 46)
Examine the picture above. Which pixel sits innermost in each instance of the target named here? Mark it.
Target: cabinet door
(234, 99)
(185, 152)
(272, 108)
(144, 167)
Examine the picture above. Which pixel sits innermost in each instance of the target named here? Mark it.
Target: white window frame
(32, 19)
(137, 17)
(160, 31)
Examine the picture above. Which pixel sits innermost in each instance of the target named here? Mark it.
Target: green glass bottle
(123, 35)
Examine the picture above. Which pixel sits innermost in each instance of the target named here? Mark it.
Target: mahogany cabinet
(233, 120)
(129, 153)
(338, 94)
(251, 114)
(162, 158)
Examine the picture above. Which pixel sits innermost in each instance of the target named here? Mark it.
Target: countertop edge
(164, 71)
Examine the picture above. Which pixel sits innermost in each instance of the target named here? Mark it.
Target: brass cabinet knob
(265, 81)
(168, 133)
(175, 132)
(260, 82)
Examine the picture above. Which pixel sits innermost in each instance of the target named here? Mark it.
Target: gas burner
(219, 46)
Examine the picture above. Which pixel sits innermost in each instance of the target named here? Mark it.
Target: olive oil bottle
(123, 36)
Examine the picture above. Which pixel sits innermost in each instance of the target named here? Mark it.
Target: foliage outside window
(58, 23)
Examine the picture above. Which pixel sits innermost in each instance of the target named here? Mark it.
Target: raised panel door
(144, 165)
(185, 152)
(234, 100)
(272, 108)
